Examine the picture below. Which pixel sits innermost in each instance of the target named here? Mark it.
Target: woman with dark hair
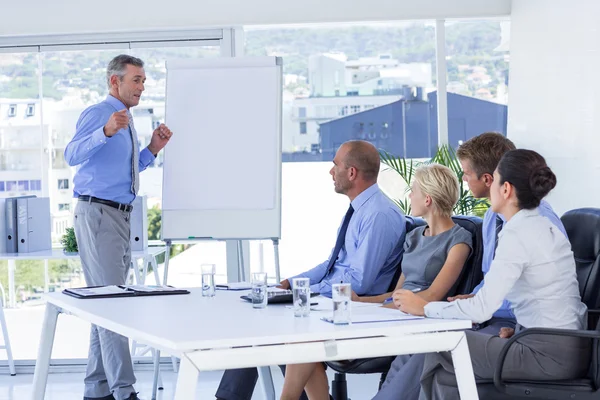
(534, 269)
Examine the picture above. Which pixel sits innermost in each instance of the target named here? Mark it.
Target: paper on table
(377, 314)
(146, 288)
(235, 286)
(240, 286)
(101, 290)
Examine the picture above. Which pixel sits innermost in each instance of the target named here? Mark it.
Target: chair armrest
(499, 382)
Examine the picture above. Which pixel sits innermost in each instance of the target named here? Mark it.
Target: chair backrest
(583, 229)
(411, 223)
(471, 274)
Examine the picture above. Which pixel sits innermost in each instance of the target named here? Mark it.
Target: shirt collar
(116, 103)
(523, 214)
(364, 196)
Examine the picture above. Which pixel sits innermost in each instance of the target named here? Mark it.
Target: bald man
(367, 250)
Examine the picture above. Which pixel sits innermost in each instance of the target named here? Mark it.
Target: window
(303, 128)
(11, 186)
(35, 185)
(345, 66)
(23, 185)
(477, 73)
(301, 112)
(63, 184)
(29, 146)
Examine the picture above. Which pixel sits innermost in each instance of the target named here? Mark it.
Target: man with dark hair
(367, 250)
(106, 151)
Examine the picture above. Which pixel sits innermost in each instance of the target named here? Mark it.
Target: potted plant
(69, 242)
(466, 205)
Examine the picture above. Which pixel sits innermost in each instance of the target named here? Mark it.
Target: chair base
(339, 387)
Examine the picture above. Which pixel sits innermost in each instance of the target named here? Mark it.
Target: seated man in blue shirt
(367, 250)
(479, 157)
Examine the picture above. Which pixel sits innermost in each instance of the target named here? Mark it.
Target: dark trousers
(239, 384)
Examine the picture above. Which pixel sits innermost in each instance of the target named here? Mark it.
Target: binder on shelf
(139, 224)
(10, 234)
(34, 225)
(3, 224)
(97, 292)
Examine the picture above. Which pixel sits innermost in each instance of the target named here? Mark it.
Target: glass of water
(208, 280)
(259, 290)
(301, 296)
(341, 295)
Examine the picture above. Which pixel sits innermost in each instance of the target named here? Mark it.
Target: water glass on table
(301, 296)
(260, 294)
(341, 295)
(208, 280)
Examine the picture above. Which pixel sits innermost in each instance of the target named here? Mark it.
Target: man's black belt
(110, 203)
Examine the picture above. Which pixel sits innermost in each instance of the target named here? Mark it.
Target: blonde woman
(434, 256)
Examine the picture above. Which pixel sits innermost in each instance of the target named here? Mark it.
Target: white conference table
(225, 332)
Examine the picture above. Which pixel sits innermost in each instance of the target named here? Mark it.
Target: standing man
(106, 151)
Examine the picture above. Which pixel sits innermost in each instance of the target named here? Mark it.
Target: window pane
(477, 65)
(21, 156)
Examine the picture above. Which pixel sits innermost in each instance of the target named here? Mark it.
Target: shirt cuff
(98, 137)
(435, 309)
(146, 157)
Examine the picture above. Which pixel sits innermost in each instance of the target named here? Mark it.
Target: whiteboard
(222, 166)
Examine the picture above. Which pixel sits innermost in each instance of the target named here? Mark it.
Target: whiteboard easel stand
(242, 275)
(276, 250)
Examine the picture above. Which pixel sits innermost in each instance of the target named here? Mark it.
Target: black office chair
(583, 230)
(470, 277)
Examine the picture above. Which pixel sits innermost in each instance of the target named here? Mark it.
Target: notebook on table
(96, 292)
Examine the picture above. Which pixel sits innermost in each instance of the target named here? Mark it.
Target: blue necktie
(499, 224)
(340, 240)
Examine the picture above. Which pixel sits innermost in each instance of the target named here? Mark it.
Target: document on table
(150, 288)
(376, 314)
(240, 286)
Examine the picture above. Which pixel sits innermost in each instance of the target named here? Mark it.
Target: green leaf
(445, 155)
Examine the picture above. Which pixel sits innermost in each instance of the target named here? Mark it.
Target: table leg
(266, 382)
(464, 370)
(187, 380)
(155, 271)
(42, 365)
(156, 354)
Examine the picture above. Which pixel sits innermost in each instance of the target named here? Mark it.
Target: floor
(69, 386)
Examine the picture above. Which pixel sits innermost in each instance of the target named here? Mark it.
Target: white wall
(74, 16)
(554, 95)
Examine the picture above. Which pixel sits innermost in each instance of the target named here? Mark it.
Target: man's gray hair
(118, 65)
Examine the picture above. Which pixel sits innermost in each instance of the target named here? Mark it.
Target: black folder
(98, 292)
